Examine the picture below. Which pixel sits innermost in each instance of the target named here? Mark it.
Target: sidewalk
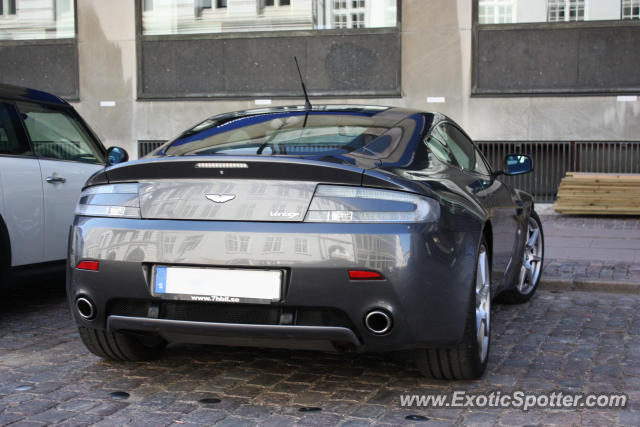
(590, 253)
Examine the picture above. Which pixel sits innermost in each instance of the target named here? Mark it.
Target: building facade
(530, 71)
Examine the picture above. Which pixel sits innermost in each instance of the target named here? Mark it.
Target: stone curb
(589, 285)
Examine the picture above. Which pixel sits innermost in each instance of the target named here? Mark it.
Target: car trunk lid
(230, 189)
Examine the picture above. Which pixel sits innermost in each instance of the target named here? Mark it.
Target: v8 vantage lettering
(516, 399)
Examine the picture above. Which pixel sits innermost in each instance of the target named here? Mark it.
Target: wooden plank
(587, 175)
(590, 202)
(562, 207)
(599, 213)
(618, 182)
(596, 212)
(599, 194)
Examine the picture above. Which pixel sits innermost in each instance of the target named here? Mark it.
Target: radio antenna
(307, 104)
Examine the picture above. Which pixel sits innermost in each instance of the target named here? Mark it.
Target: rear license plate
(231, 285)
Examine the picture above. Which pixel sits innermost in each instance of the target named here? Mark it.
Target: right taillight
(336, 203)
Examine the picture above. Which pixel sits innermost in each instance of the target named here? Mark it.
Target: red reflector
(364, 275)
(88, 265)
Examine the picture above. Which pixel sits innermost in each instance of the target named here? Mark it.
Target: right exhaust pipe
(85, 307)
(378, 321)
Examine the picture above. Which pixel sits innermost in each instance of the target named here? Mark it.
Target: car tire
(468, 359)
(531, 269)
(121, 347)
(4, 272)
(5, 256)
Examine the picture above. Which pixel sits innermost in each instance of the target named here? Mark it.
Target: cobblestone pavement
(580, 269)
(559, 341)
(592, 248)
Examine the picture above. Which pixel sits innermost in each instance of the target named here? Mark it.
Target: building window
(272, 244)
(234, 243)
(37, 19)
(496, 12)
(630, 9)
(202, 5)
(349, 14)
(176, 17)
(339, 20)
(302, 246)
(539, 11)
(565, 10)
(339, 4)
(168, 242)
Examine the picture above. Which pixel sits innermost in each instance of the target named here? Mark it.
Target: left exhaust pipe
(86, 308)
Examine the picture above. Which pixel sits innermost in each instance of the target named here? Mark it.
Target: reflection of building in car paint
(375, 252)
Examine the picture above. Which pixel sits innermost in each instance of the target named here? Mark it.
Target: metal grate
(147, 146)
(552, 159)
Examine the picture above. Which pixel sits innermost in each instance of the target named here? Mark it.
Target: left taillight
(112, 200)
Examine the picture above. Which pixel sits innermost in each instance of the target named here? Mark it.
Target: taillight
(365, 275)
(335, 203)
(88, 265)
(113, 200)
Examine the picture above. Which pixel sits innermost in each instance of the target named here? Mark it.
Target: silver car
(335, 228)
(47, 153)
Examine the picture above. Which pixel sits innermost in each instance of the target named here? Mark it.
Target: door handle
(54, 179)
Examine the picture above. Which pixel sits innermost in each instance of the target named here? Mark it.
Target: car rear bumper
(310, 337)
(427, 272)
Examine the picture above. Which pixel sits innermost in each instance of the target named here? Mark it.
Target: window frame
(476, 151)
(139, 8)
(633, 3)
(70, 111)
(392, 36)
(64, 49)
(614, 84)
(20, 131)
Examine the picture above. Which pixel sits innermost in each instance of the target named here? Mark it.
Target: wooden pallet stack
(599, 194)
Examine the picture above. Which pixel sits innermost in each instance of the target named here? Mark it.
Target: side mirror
(116, 155)
(517, 164)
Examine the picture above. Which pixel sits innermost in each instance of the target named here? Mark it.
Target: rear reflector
(364, 275)
(88, 265)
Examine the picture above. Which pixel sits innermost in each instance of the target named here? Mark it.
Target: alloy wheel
(532, 260)
(483, 303)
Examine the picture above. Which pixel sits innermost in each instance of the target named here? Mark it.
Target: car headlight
(113, 200)
(335, 203)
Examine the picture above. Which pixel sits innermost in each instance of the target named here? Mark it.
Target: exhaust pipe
(378, 321)
(85, 308)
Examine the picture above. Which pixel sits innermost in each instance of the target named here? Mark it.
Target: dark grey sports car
(338, 228)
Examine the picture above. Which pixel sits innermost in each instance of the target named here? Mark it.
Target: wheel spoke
(529, 272)
(483, 304)
(533, 239)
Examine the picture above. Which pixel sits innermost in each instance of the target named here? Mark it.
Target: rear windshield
(294, 133)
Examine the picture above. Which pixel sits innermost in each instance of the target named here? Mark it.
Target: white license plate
(218, 284)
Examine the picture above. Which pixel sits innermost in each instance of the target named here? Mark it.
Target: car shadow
(27, 294)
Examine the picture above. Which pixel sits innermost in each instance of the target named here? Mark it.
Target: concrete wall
(436, 62)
